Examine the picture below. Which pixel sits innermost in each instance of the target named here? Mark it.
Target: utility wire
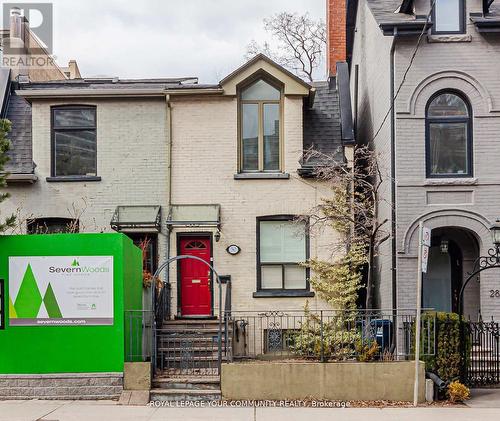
(403, 80)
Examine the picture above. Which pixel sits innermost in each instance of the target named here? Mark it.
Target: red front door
(195, 277)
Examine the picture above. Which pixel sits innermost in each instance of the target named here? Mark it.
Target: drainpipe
(168, 131)
(393, 174)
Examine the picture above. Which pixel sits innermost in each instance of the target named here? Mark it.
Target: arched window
(260, 127)
(448, 136)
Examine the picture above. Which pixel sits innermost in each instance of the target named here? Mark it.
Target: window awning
(194, 215)
(146, 218)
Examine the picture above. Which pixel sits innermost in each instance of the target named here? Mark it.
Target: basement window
(52, 226)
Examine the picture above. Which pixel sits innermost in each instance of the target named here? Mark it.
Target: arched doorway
(452, 254)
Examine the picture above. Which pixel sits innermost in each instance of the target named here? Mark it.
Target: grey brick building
(437, 140)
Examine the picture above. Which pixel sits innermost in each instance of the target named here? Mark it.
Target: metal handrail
(217, 277)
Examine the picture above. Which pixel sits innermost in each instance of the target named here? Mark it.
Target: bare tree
(301, 42)
(353, 208)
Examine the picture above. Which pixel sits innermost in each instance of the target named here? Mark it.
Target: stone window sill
(450, 182)
(73, 178)
(261, 176)
(449, 38)
(282, 293)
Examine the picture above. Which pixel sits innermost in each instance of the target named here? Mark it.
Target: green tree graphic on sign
(29, 299)
(51, 304)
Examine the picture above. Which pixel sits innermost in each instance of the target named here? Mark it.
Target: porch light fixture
(495, 233)
(444, 246)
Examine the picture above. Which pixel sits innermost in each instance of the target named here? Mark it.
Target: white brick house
(194, 168)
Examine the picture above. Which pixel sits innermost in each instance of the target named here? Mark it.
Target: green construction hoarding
(63, 299)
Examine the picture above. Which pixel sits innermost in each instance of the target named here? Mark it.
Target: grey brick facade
(469, 64)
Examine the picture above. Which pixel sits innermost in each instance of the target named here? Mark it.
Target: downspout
(393, 174)
(169, 184)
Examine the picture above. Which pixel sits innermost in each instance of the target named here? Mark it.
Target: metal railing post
(322, 351)
(219, 359)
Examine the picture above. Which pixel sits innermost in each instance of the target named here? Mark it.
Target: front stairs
(187, 360)
(485, 366)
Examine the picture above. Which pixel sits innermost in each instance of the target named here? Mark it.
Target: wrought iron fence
(193, 354)
(163, 304)
(329, 335)
(482, 350)
(138, 336)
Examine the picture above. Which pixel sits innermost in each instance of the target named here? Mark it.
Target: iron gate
(482, 367)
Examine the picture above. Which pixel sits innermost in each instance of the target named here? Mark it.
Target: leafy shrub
(447, 361)
(367, 351)
(337, 341)
(457, 392)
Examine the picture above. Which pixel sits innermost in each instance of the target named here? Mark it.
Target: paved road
(109, 411)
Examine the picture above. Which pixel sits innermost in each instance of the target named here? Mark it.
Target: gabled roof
(293, 84)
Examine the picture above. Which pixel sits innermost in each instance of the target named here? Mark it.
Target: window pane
(282, 241)
(271, 277)
(75, 153)
(250, 136)
(260, 91)
(448, 144)
(448, 105)
(84, 117)
(271, 137)
(447, 14)
(295, 277)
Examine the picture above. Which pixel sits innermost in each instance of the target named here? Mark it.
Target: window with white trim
(282, 247)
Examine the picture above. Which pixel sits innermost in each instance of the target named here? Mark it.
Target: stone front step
(187, 382)
(185, 394)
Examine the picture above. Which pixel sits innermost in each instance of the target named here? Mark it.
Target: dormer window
(448, 17)
(260, 127)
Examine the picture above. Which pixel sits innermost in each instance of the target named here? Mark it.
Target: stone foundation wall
(349, 381)
(77, 386)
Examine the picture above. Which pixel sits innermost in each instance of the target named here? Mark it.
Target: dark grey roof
(390, 17)
(115, 83)
(20, 153)
(322, 124)
(489, 22)
(384, 11)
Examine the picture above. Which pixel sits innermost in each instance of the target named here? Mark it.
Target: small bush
(448, 360)
(457, 392)
(367, 351)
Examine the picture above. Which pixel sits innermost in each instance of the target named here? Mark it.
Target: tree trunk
(369, 279)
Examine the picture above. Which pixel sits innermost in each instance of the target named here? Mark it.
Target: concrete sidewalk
(110, 411)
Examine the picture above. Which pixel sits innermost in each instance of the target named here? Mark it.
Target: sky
(154, 38)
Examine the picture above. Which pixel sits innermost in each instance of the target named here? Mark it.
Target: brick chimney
(336, 12)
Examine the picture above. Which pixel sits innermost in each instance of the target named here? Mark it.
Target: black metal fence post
(322, 337)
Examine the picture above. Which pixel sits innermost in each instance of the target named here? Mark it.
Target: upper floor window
(449, 136)
(449, 17)
(74, 143)
(260, 127)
